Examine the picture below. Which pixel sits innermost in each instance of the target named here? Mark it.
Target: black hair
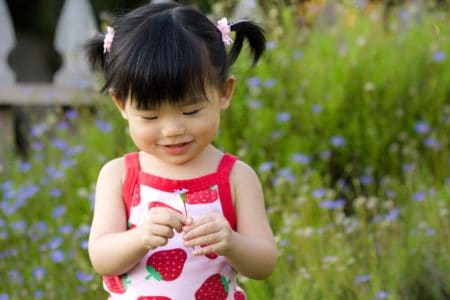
(167, 51)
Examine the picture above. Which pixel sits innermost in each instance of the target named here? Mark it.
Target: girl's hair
(167, 52)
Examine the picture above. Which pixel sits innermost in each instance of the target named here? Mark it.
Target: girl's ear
(227, 92)
(120, 106)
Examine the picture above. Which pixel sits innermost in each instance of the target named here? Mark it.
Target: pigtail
(255, 37)
(94, 51)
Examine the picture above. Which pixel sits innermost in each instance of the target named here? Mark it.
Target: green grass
(348, 128)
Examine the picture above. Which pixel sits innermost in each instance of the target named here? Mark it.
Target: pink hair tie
(224, 28)
(109, 37)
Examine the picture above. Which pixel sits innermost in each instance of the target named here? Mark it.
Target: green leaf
(153, 273)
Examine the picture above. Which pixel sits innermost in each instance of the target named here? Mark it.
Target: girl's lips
(176, 148)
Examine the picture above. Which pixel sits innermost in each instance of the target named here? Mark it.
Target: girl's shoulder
(113, 168)
(243, 173)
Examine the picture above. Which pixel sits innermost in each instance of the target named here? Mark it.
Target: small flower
(432, 143)
(318, 193)
(71, 114)
(38, 294)
(330, 204)
(254, 82)
(59, 144)
(265, 166)
(66, 229)
(362, 278)
(391, 215)
(283, 117)
(338, 141)
(317, 108)
(421, 127)
(301, 158)
(408, 167)
(418, 197)
(366, 179)
(271, 45)
(269, 83)
(24, 167)
(84, 244)
(83, 277)
(438, 56)
(55, 243)
(58, 211)
(39, 273)
(103, 125)
(55, 193)
(382, 295)
(57, 256)
(298, 54)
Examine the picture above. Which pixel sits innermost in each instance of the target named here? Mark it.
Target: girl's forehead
(186, 101)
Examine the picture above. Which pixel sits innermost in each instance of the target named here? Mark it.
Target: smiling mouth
(177, 145)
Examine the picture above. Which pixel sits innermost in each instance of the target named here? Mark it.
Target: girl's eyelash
(149, 118)
(191, 112)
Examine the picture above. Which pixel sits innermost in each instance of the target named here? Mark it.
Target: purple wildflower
(103, 125)
(301, 158)
(421, 127)
(418, 197)
(362, 278)
(283, 117)
(438, 56)
(57, 256)
(83, 277)
(39, 273)
(338, 141)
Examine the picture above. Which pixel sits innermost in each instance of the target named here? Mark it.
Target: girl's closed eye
(191, 112)
(149, 117)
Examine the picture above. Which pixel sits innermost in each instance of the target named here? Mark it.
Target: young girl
(179, 218)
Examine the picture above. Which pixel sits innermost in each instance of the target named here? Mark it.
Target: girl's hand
(212, 233)
(159, 225)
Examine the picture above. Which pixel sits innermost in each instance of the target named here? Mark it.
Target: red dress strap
(226, 199)
(130, 188)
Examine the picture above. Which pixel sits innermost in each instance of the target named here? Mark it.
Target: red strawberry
(210, 255)
(161, 204)
(166, 265)
(239, 295)
(153, 298)
(116, 284)
(204, 196)
(216, 287)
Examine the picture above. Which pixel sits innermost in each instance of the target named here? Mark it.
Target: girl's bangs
(167, 65)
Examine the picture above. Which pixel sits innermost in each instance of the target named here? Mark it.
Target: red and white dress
(171, 271)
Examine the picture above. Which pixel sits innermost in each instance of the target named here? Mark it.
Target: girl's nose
(173, 127)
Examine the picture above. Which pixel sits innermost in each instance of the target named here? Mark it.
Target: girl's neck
(204, 163)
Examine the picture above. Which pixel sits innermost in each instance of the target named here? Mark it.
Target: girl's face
(177, 134)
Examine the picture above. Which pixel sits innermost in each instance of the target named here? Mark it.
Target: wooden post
(75, 25)
(8, 40)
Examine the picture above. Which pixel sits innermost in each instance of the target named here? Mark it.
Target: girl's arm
(113, 249)
(253, 251)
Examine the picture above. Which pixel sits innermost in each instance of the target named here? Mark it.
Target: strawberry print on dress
(116, 284)
(166, 265)
(216, 287)
(208, 195)
(239, 295)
